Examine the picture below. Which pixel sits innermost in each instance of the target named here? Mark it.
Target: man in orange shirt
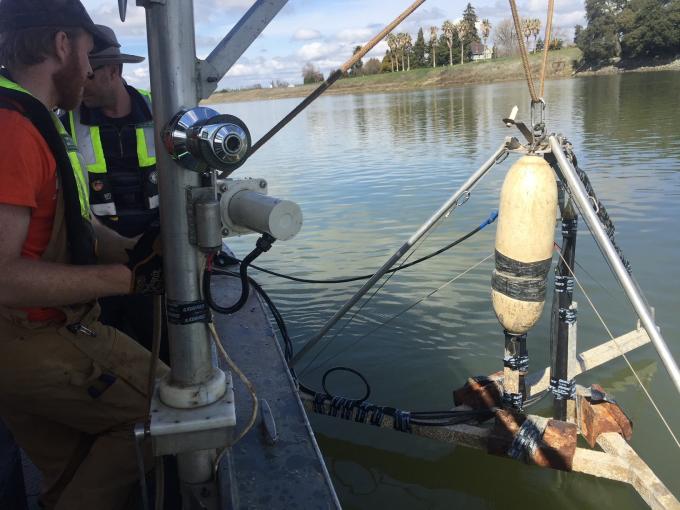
(70, 388)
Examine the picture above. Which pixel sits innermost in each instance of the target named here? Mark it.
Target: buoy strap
(523, 289)
(523, 269)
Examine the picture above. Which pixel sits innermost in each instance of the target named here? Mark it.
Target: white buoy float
(524, 243)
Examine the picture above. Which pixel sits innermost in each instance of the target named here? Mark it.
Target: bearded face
(69, 80)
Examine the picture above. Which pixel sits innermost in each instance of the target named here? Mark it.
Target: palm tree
(486, 30)
(391, 40)
(527, 28)
(408, 47)
(401, 42)
(433, 45)
(535, 29)
(462, 30)
(448, 28)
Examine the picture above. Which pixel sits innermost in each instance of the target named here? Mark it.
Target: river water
(367, 170)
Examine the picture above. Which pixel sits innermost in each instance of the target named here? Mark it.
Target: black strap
(81, 239)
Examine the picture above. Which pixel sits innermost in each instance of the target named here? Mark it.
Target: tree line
(448, 44)
(629, 29)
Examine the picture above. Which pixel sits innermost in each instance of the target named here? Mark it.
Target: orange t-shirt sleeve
(26, 163)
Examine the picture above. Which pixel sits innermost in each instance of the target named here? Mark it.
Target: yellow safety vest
(71, 149)
(88, 140)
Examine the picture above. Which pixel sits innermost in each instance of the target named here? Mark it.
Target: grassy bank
(561, 64)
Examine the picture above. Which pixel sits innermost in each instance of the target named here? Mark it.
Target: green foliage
(599, 41)
(577, 31)
(386, 64)
(443, 51)
(373, 66)
(419, 50)
(355, 70)
(311, 74)
(539, 44)
(470, 20)
(650, 28)
(630, 29)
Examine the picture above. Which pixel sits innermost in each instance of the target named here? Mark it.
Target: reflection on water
(367, 170)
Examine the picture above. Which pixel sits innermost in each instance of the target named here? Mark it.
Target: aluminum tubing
(172, 65)
(632, 291)
(424, 229)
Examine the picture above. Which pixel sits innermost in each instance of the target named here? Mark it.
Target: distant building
(480, 51)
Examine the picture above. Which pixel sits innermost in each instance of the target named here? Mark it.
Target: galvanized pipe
(580, 196)
(172, 65)
(424, 229)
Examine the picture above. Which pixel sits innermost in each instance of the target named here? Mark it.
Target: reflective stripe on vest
(71, 149)
(90, 143)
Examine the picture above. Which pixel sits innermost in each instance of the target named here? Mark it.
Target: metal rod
(239, 38)
(580, 196)
(424, 229)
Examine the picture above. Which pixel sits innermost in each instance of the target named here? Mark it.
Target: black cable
(351, 371)
(226, 260)
(263, 244)
(278, 318)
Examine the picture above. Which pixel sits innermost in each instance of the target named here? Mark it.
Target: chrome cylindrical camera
(200, 139)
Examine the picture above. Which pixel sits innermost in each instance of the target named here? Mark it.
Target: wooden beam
(640, 476)
(618, 462)
(592, 358)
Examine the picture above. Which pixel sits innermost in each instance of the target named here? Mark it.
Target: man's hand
(146, 263)
(112, 248)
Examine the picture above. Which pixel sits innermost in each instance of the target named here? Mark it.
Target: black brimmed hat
(112, 54)
(20, 14)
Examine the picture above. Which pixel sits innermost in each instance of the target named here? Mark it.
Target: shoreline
(561, 64)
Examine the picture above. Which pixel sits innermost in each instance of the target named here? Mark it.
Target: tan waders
(70, 393)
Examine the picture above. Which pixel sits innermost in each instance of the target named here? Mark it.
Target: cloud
(316, 50)
(354, 35)
(306, 34)
(137, 75)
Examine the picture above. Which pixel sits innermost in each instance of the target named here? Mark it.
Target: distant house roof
(477, 48)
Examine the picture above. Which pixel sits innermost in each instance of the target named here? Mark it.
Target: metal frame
(630, 287)
(237, 41)
(176, 83)
(508, 144)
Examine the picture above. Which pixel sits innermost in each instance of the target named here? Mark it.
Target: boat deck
(290, 473)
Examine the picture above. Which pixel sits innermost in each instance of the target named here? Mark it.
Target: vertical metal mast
(173, 64)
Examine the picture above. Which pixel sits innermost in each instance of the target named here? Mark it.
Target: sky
(323, 32)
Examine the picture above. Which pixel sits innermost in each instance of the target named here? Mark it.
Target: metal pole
(172, 64)
(580, 196)
(561, 310)
(424, 229)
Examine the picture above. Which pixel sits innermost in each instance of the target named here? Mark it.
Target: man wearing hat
(71, 388)
(113, 130)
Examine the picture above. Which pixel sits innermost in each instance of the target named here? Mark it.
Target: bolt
(263, 184)
(225, 232)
